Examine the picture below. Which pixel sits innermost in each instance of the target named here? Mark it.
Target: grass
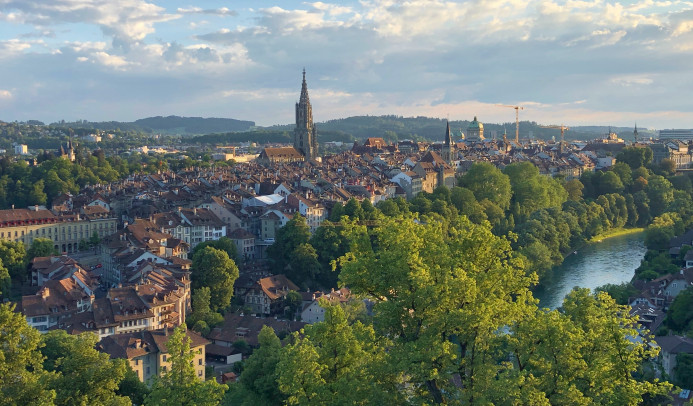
(616, 232)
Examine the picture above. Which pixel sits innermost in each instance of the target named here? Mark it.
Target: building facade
(66, 230)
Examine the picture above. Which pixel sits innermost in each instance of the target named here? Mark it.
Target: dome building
(475, 131)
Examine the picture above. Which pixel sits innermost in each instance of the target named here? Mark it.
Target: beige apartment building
(147, 353)
(66, 230)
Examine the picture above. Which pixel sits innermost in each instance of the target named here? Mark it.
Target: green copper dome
(475, 124)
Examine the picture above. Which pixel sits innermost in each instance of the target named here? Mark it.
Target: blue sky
(577, 62)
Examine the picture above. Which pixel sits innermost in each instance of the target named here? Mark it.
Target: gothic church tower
(305, 133)
(448, 149)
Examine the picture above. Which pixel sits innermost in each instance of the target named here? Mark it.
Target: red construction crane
(517, 119)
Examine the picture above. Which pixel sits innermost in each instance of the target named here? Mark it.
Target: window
(199, 373)
(199, 361)
(165, 360)
(163, 368)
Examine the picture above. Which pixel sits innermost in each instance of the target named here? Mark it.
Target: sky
(573, 62)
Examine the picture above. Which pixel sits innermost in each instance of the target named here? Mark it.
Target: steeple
(447, 151)
(305, 133)
(635, 132)
(304, 89)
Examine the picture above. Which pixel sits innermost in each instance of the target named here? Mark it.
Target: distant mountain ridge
(390, 127)
(175, 125)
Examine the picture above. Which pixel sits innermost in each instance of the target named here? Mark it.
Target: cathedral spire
(304, 89)
(448, 135)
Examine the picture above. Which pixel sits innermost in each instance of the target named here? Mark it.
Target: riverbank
(617, 232)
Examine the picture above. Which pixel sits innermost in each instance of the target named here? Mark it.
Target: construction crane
(561, 127)
(517, 119)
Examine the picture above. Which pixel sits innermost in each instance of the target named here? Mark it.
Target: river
(611, 261)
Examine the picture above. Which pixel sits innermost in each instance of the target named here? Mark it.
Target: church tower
(305, 133)
(635, 133)
(448, 149)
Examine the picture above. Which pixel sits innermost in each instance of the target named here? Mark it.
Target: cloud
(5, 94)
(223, 11)
(125, 21)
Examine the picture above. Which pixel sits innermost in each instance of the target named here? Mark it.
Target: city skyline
(574, 62)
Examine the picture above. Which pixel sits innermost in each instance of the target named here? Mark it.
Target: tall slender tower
(635, 133)
(448, 146)
(305, 133)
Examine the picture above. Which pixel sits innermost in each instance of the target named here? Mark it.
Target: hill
(171, 125)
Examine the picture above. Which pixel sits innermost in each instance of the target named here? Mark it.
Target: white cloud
(5, 94)
(222, 11)
(632, 80)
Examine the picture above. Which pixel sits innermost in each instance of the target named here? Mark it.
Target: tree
(683, 371)
(288, 238)
(532, 191)
(680, 315)
(131, 386)
(441, 292)
(42, 247)
(354, 210)
(258, 381)
(94, 240)
(304, 266)
(83, 375)
(180, 386)
(667, 166)
(584, 355)
(24, 381)
(335, 360)
(13, 256)
(292, 301)
(620, 293)
(488, 182)
(635, 157)
(214, 269)
(202, 317)
(574, 188)
(224, 244)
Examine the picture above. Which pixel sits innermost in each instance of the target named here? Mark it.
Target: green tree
(202, 317)
(620, 293)
(41, 247)
(584, 355)
(84, 375)
(680, 314)
(258, 382)
(24, 381)
(131, 386)
(224, 244)
(13, 256)
(292, 301)
(532, 191)
(304, 267)
(488, 182)
(574, 189)
(288, 238)
(214, 269)
(635, 157)
(334, 360)
(354, 210)
(180, 386)
(441, 293)
(683, 371)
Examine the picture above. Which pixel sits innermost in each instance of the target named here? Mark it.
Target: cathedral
(305, 133)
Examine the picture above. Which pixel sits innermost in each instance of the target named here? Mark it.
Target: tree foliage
(24, 381)
(180, 386)
(83, 375)
(214, 269)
